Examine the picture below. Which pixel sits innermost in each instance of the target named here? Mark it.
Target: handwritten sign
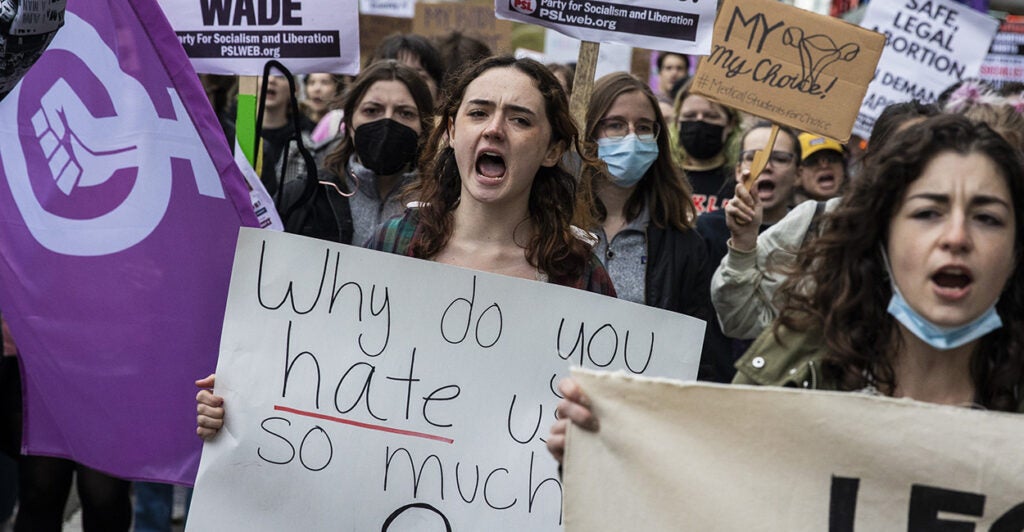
(477, 21)
(679, 456)
(930, 45)
(365, 388)
(683, 27)
(790, 66)
(240, 36)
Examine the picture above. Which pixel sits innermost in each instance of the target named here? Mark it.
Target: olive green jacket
(794, 362)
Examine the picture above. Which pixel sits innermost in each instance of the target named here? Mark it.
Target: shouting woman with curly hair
(912, 290)
(492, 195)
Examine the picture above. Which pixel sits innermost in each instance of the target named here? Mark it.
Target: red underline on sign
(360, 424)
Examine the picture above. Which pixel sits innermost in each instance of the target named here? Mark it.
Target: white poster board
(929, 46)
(388, 8)
(362, 387)
(239, 37)
(694, 456)
(670, 25)
(611, 57)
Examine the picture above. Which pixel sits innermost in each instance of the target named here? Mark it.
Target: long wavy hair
(553, 203)
(384, 70)
(663, 187)
(844, 289)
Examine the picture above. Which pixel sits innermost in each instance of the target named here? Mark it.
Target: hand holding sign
(761, 158)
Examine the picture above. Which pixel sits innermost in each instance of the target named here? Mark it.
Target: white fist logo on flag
(83, 150)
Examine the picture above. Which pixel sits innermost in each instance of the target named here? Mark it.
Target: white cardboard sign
(930, 44)
(368, 391)
(240, 36)
(670, 25)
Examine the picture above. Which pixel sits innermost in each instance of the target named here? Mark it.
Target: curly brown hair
(553, 204)
(663, 187)
(843, 289)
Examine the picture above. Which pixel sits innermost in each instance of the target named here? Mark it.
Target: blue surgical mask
(939, 337)
(627, 158)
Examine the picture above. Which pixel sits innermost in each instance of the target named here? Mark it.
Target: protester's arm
(574, 407)
(209, 409)
(743, 287)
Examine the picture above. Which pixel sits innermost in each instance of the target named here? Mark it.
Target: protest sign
(929, 45)
(361, 386)
(677, 456)
(27, 30)
(610, 57)
(477, 21)
(388, 8)
(239, 36)
(373, 29)
(1005, 60)
(119, 205)
(683, 27)
(790, 66)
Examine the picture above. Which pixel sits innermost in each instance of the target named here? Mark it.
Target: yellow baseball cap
(811, 144)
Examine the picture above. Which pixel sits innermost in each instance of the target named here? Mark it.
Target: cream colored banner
(673, 456)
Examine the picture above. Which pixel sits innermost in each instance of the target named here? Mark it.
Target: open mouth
(827, 180)
(489, 164)
(952, 278)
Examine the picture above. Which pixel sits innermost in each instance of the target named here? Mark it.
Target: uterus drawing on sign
(817, 52)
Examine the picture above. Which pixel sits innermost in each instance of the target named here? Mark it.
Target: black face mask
(700, 139)
(385, 146)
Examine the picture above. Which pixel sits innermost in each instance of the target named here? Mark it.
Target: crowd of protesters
(440, 151)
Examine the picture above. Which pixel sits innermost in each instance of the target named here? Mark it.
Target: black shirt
(711, 188)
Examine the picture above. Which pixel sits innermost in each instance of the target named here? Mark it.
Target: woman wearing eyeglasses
(773, 191)
(646, 236)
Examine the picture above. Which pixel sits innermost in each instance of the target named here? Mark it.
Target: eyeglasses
(613, 128)
(781, 158)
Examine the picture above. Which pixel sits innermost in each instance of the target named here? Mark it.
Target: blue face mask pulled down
(627, 158)
(939, 337)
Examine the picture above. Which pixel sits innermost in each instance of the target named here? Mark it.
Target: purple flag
(119, 209)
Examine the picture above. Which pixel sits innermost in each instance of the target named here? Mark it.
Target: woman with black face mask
(704, 130)
(387, 112)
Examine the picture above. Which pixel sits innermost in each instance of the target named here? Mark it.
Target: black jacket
(678, 278)
(320, 212)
